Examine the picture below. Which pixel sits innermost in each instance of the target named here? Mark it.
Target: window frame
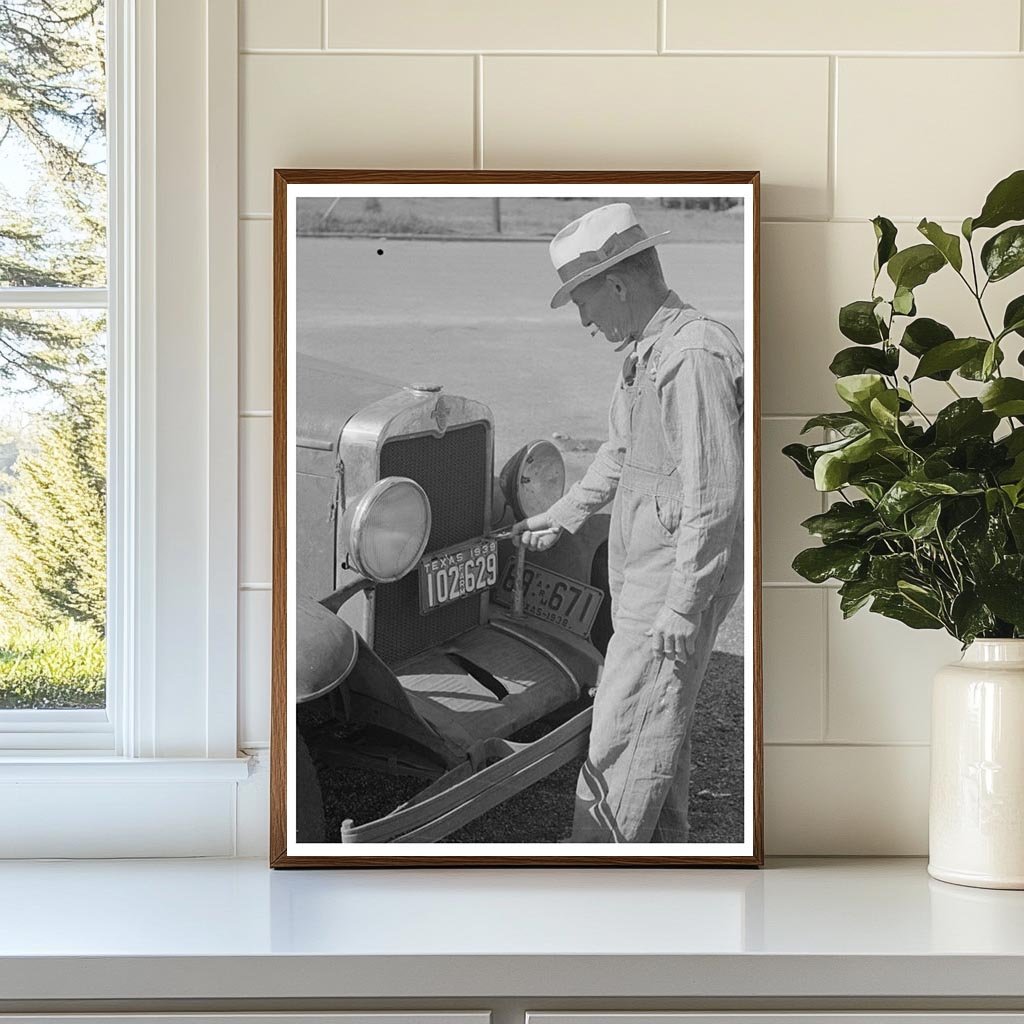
(173, 468)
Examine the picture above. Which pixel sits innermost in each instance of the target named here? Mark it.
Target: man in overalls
(674, 463)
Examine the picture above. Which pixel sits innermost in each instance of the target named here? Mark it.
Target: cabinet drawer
(359, 1017)
(789, 1017)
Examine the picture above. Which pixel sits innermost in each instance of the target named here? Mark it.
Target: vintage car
(424, 641)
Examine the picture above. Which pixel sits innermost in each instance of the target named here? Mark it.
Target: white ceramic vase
(976, 815)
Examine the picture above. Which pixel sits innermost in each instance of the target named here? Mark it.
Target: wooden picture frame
(421, 269)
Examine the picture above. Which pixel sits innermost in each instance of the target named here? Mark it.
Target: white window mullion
(53, 298)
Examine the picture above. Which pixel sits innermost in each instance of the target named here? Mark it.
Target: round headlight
(533, 479)
(387, 529)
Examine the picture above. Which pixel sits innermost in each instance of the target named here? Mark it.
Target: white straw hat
(594, 242)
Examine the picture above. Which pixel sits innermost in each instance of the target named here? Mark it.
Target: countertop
(232, 929)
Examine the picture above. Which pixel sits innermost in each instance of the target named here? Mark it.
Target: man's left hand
(674, 635)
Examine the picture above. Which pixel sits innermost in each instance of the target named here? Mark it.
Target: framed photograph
(516, 586)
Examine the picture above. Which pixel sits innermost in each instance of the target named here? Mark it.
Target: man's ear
(617, 285)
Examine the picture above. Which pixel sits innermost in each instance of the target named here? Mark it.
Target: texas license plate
(456, 572)
(552, 597)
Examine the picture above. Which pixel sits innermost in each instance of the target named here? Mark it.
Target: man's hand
(674, 635)
(537, 533)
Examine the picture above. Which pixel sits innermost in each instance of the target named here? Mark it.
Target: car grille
(452, 469)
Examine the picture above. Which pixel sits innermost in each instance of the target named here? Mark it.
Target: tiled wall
(906, 109)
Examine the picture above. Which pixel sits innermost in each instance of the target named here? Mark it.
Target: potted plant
(927, 521)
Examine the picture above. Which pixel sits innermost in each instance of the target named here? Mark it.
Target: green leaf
(970, 617)
(906, 494)
(1004, 397)
(1003, 254)
(885, 237)
(843, 521)
(897, 607)
(1005, 597)
(887, 570)
(854, 595)
(965, 229)
(858, 389)
(842, 561)
(1013, 317)
(991, 360)
(903, 302)
(974, 368)
(925, 518)
(947, 244)
(841, 421)
(1005, 202)
(950, 355)
(849, 361)
(912, 267)
(799, 455)
(857, 321)
(966, 417)
(923, 335)
(885, 409)
(831, 471)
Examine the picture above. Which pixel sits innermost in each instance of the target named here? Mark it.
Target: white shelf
(223, 929)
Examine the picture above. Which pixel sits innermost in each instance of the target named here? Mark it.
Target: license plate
(456, 572)
(552, 597)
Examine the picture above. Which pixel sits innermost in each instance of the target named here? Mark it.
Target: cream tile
(351, 111)
(809, 271)
(255, 509)
(269, 24)
(794, 663)
(936, 170)
(254, 611)
(847, 801)
(879, 677)
(471, 25)
(654, 112)
(787, 499)
(870, 25)
(255, 319)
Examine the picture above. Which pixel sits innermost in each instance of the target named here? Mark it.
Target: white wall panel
(351, 111)
(256, 303)
(794, 663)
(260, 24)
(681, 113)
(961, 130)
(255, 510)
(877, 25)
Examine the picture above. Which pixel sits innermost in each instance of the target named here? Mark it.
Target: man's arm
(599, 483)
(703, 426)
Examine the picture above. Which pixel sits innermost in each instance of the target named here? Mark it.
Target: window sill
(79, 767)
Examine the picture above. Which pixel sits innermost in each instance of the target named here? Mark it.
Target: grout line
(825, 710)
(828, 585)
(663, 25)
(478, 111)
(323, 24)
(255, 414)
(255, 216)
(833, 135)
(259, 51)
(855, 744)
(253, 586)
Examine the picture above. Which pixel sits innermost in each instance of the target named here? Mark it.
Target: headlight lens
(387, 529)
(533, 479)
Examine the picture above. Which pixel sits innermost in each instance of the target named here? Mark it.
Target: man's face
(603, 308)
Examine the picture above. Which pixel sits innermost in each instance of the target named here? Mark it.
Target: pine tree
(53, 520)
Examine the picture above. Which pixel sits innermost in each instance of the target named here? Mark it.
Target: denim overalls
(634, 786)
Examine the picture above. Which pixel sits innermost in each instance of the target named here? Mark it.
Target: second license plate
(456, 572)
(552, 597)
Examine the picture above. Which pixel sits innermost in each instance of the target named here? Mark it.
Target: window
(53, 368)
(155, 770)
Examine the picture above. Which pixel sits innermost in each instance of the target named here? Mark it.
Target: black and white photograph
(516, 568)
